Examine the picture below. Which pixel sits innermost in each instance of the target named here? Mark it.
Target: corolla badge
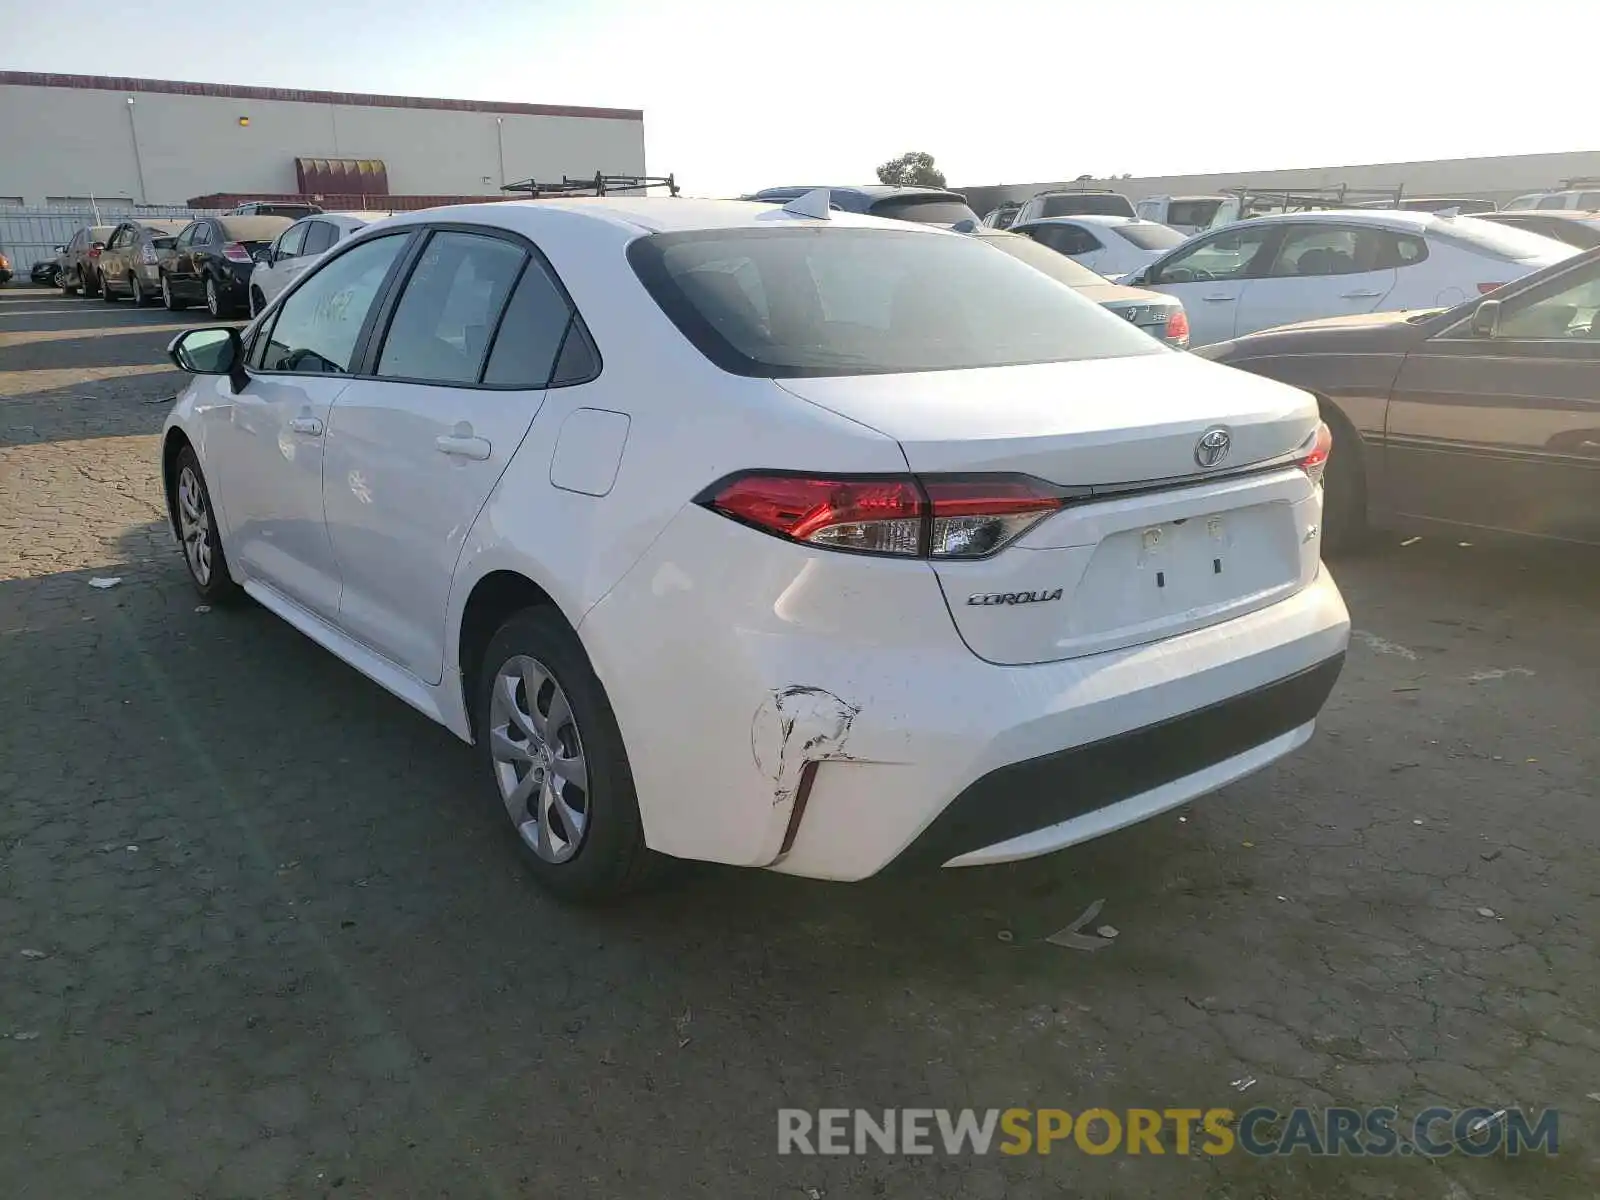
(987, 598)
(1213, 446)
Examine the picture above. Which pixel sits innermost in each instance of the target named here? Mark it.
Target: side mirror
(61, 249)
(263, 256)
(99, 245)
(214, 351)
(1486, 319)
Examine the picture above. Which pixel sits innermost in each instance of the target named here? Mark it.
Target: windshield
(1150, 236)
(781, 303)
(1193, 212)
(928, 210)
(1071, 204)
(1041, 258)
(1502, 241)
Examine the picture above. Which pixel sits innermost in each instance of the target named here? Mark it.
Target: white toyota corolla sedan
(767, 536)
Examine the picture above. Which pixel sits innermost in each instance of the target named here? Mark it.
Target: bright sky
(743, 95)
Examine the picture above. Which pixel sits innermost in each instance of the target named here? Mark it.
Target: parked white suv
(764, 535)
(296, 248)
(1582, 199)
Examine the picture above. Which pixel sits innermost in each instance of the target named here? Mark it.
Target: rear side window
(1086, 203)
(790, 302)
(929, 210)
(319, 236)
(530, 334)
(1065, 239)
(451, 303)
(1556, 201)
(1589, 201)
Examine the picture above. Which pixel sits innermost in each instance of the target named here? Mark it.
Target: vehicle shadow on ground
(119, 406)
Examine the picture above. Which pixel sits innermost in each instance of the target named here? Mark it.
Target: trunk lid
(1161, 546)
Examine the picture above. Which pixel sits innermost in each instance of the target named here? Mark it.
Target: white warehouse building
(67, 139)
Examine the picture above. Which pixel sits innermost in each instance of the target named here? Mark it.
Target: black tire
(91, 284)
(611, 859)
(1345, 528)
(218, 586)
(136, 292)
(215, 304)
(68, 288)
(168, 300)
(105, 291)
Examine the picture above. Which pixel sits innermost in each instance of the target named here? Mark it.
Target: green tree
(912, 169)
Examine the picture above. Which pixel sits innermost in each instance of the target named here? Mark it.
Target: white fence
(30, 234)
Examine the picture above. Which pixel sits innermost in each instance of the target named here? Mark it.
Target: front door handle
(1359, 295)
(306, 425)
(464, 446)
(1214, 299)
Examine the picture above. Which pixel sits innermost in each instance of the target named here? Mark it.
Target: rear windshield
(163, 243)
(1086, 204)
(254, 229)
(1041, 258)
(781, 303)
(1192, 212)
(1150, 236)
(929, 210)
(1502, 241)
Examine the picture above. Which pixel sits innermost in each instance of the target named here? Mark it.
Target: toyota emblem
(1212, 447)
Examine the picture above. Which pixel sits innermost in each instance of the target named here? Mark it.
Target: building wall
(1498, 179)
(77, 141)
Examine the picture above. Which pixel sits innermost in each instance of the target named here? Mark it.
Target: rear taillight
(1485, 288)
(234, 252)
(937, 516)
(1178, 326)
(1314, 457)
(147, 254)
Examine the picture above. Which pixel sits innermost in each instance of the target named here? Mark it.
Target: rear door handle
(1359, 295)
(306, 425)
(475, 448)
(1214, 299)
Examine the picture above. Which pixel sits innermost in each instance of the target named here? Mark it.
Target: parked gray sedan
(130, 265)
(1484, 417)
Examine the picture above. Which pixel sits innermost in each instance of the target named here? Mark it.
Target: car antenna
(812, 204)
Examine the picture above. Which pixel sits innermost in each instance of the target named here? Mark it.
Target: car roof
(1587, 216)
(163, 224)
(1388, 218)
(648, 214)
(866, 191)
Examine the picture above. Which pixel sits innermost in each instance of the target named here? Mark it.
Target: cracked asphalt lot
(278, 943)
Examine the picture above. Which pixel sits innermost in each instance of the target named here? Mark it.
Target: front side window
(790, 302)
(289, 244)
(320, 323)
(450, 306)
(1065, 239)
(1556, 201)
(118, 238)
(1589, 201)
(1568, 312)
(1227, 255)
(202, 234)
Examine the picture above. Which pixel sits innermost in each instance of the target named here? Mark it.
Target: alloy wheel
(166, 292)
(213, 301)
(538, 759)
(194, 526)
(135, 290)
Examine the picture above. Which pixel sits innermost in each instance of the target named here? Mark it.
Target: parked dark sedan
(79, 259)
(1484, 417)
(211, 261)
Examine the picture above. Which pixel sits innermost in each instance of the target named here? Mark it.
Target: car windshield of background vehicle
(929, 210)
(1041, 258)
(1150, 236)
(794, 302)
(1502, 241)
(1077, 204)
